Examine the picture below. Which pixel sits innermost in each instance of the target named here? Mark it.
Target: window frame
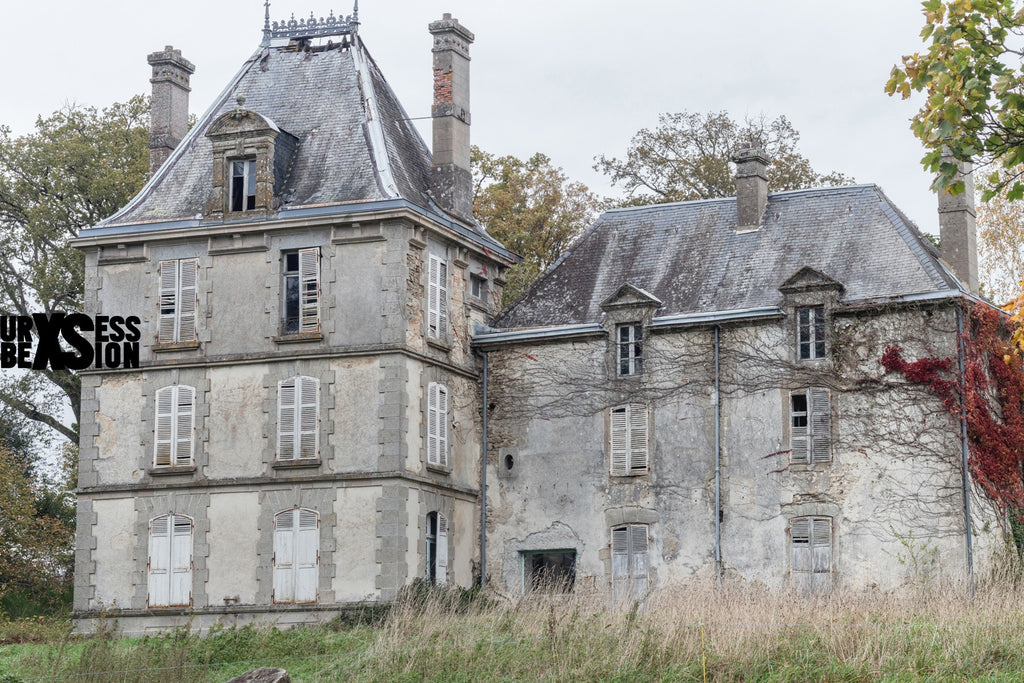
(629, 440)
(629, 356)
(437, 297)
(247, 198)
(303, 426)
(177, 301)
(811, 333)
(307, 292)
(286, 575)
(155, 575)
(532, 583)
(811, 443)
(437, 426)
(170, 422)
(811, 551)
(631, 556)
(436, 537)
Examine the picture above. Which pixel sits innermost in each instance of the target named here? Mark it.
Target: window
(437, 548)
(810, 420)
(301, 291)
(477, 286)
(811, 541)
(296, 555)
(629, 561)
(170, 561)
(629, 440)
(549, 570)
(437, 298)
(178, 300)
(810, 332)
(175, 422)
(243, 185)
(630, 349)
(437, 425)
(298, 402)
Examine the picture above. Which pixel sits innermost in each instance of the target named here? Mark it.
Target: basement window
(551, 571)
(243, 185)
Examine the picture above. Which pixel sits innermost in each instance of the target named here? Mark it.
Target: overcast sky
(567, 78)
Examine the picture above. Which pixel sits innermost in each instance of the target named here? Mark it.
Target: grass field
(687, 633)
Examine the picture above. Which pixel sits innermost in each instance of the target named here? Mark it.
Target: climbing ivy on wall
(992, 395)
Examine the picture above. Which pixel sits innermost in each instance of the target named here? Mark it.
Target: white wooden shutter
(798, 434)
(620, 563)
(287, 407)
(800, 539)
(638, 439)
(820, 419)
(309, 286)
(184, 424)
(442, 298)
(159, 561)
(620, 441)
(284, 556)
(441, 573)
(188, 300)
(638, 559)
(307, 556)
(167, 272)
(437, 425)
(437, 297)
(821, 545)
(164, 432)
(308, 408)
(181, 561)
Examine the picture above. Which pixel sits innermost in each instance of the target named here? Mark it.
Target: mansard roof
(356, 144)
(690, 257)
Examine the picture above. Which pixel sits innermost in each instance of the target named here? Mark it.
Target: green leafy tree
(79, 166)
(532, 208)
(689, 156)
(973, 78)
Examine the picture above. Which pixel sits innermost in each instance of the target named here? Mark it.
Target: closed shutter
(637, 439)
(188, 300)
(159, 562)
(309, 283)
(798, 431)
(800, 537)
(821, 545)
(437, 297)
(638, 559)
(821, 426)
(308, 396)
(181, 561)
(175, 415)
(620, 441)
(167, 272)
(164, 432)
(437, 425)
(284, 556)
(307, 551)
(441, 575)
(442, 298)
(620, 563)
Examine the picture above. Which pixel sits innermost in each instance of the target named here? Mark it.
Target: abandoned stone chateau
(693, 390)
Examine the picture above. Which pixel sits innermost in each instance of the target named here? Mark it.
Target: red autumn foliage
(993, 387)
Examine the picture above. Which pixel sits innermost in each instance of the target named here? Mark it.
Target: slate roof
(690, 256)
(355, 142)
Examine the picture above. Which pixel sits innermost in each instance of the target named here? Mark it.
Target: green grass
(678, 635)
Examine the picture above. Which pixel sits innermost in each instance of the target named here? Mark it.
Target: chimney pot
(169, 113)
(751, 186)
(958, 232)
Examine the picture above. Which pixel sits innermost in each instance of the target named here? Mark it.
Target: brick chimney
(169, 116)
(958, 232)
(451, 182)
(751, 187)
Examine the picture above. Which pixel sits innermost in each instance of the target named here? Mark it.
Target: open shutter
(433, 457)
(284, 556)
(798, 433)
(821, 426)
(638, 559)
(441, 575)
(184, 424)
(181, 561)
(307, 551)
(433, 293)
(188, 300)
(442, 298)
(308, 394)
(159, 561)
(800, 537)
(620, 441)
(287, 400)
(637, 438)
(167, 272)
(309, 283)
(164, 432)
(442, 425)
(620, 563)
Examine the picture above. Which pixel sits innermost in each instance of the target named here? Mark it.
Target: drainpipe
(963, 447)
(718, 466)
(483, 483)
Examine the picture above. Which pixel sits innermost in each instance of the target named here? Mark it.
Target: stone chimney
(451, 182)
(169, 116)
(958, 234)
(751, 187)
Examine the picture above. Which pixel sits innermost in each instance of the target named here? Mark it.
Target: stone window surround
(190, 504)
(321, 370)
(434, 374)
(154, 380)
(430, 501)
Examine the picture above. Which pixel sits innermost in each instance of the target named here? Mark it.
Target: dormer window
(810, 332)
(631, 349)
(243, 185)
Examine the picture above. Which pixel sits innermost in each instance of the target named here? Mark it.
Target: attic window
(810, 332)
(630, 349)
(243, 185)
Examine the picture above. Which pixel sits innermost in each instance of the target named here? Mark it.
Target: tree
(532, 208)
(973, 77)
(689, 156)
(79, 166)
(1001, 247)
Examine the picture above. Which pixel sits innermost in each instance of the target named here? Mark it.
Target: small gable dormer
(809, 297)
(251, 155)
(627, 314)
(810, 286)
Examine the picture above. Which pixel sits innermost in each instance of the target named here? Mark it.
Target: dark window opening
(550, 571)
(291, 292)
(243, 185)
(799, 410)
(477, 286)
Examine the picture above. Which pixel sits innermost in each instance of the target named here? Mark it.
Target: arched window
(298, 407)
(170, 561)
(296, 555)
(437, 548)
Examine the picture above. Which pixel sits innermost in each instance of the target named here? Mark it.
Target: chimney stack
(169, 115)
(751, 187)
(958, 233)
(451, 182)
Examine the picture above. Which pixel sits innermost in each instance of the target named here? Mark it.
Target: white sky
(567, 78)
